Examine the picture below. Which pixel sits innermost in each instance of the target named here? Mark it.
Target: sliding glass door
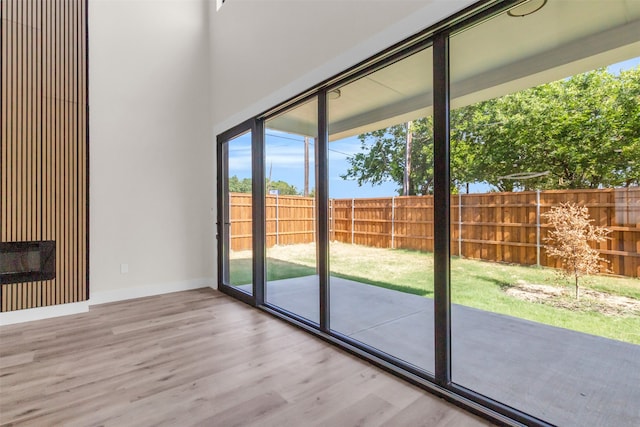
(290, 142)
(463, 209)
(545, 205)
(380, 164)
(235, 203)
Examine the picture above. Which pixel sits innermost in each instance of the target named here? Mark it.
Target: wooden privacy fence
(503, 227)
(290, 220)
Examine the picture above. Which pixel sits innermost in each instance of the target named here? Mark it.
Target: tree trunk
(577, 289)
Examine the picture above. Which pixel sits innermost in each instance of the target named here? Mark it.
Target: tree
(383, 157)
(584, 130)
(569, 241)
(627, 169)
(237, 185)
(284, 188)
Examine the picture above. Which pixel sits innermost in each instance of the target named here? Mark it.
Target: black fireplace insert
(27, 261)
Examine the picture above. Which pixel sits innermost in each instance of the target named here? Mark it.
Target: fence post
(332, 229)
(538, 228)
(459, 224)
(629, 218)
(277, 222)
(353, 219)
(313, 215)
(393, 217)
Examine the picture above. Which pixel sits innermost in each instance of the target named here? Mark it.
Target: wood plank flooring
(197, 358)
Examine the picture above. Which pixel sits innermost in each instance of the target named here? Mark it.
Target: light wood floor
(197, 358)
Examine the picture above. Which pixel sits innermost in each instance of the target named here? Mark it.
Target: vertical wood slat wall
(44, 145)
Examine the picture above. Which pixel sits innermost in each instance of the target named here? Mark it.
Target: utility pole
(306, 166)
(407, 162)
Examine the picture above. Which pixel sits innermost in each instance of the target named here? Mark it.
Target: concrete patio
(562, 376)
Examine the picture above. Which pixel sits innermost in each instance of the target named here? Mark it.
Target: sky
(284, 155)
(624, 65)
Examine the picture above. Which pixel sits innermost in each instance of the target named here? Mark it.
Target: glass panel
(381, 209)
(290, 146)
(240, 223)
(20, 262)
(546, 211)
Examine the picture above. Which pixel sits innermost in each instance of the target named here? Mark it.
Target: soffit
(562, 39)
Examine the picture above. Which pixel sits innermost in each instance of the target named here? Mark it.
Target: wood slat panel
(43, 180)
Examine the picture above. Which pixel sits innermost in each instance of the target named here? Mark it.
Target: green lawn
(476, 284)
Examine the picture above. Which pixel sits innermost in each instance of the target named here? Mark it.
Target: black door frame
(440, 382)
(255, 127)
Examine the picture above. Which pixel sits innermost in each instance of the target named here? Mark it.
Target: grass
(277, 269)
(476, 284)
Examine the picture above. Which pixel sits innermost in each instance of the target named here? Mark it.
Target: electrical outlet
(124, 268)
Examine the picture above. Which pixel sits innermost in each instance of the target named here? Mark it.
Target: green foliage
(383, 157)
(284, 188)
(584, 130)
(237, 185)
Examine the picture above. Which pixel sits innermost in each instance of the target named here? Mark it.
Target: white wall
(266, 51)
(151, 147)
(165, 77)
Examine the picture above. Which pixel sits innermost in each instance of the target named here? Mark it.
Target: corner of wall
(103, 297)
(40, 313)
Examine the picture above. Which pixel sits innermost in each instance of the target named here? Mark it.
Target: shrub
(569, 241)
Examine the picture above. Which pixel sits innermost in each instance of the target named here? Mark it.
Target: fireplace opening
(27, 261)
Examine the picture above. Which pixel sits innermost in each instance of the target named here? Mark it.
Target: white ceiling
(500, 56)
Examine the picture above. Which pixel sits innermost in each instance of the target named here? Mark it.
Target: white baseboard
(39, 313)
(30, 314)
(103, 297)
